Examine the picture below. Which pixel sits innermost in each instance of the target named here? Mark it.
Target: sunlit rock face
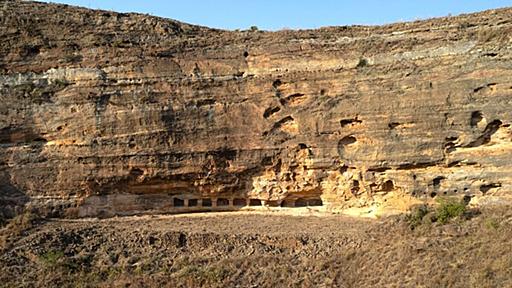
(111, 114)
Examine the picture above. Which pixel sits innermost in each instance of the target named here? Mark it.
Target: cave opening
(239, 202)
(207, 202)
(222, 202)
(254, 202)
(388, 186)
(476, 117)
(288, 203)
(436, 183)
(301, 202)
(315, 202)
(177, 202)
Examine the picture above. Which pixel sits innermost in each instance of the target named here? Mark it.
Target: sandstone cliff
(104, 113)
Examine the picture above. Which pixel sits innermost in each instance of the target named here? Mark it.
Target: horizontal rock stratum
(105, 113)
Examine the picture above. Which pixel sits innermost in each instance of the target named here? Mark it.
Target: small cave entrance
(274, 203)
(486, 187)
(177, 202)
(207, 202)
(136, 172)
(270, 111)
(300, 202)
(351, 121)
(315, 202)
(222, 202)
(239, 202)
(393, 125)
(436, 182)
(345, 141)
(355, 187)
(193, 203)
(388, 186)
(476, 117)
(288, 203)
(277, 83)
(254, 202)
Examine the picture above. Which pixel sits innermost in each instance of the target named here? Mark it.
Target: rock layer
(105, 113)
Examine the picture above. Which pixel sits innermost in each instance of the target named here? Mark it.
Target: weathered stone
(113, 113)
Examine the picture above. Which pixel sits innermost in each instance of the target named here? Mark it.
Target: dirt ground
(259, 250)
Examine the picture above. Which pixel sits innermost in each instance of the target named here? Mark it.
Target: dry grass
(17, 227)
(265, 251)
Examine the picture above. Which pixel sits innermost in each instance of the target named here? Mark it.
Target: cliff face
(104, 113)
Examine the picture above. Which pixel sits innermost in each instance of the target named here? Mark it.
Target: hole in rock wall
(270, 111)
(273, 203)
(485, 138)
(254, 202)
(301, 202)
(486, 187)
(303, 146)
(136, 172)
(239, 202)
(207, 202)
(315, 202)
(293, 99)
(388, 186)
(288, 203)
(246, 54)
(345, 122)
(355, 187)
(491, 86)
(205, 102)
(476, 117)
(362, 63)
(393, 125)
(437, 182)
(131, 142)
(266, 161)
(29, 51)
(177, 202)
(287, 124)
(276, 83)
(222, 202)
(347, 140)
(378, 169)
(192, 203)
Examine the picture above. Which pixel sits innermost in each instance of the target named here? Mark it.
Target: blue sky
(278, 14)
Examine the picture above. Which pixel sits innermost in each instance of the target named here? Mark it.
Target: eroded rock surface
(105, 113)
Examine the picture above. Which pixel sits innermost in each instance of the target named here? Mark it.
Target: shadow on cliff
(12, 200)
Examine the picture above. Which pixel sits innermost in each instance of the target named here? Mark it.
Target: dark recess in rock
(485, 137)
(345, 122)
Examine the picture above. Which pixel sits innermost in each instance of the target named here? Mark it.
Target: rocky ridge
(107, 114)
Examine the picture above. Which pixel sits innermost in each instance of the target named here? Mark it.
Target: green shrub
(492, 223)
(52, 258)
(449, 208)
(415, 218)
(203, 274)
